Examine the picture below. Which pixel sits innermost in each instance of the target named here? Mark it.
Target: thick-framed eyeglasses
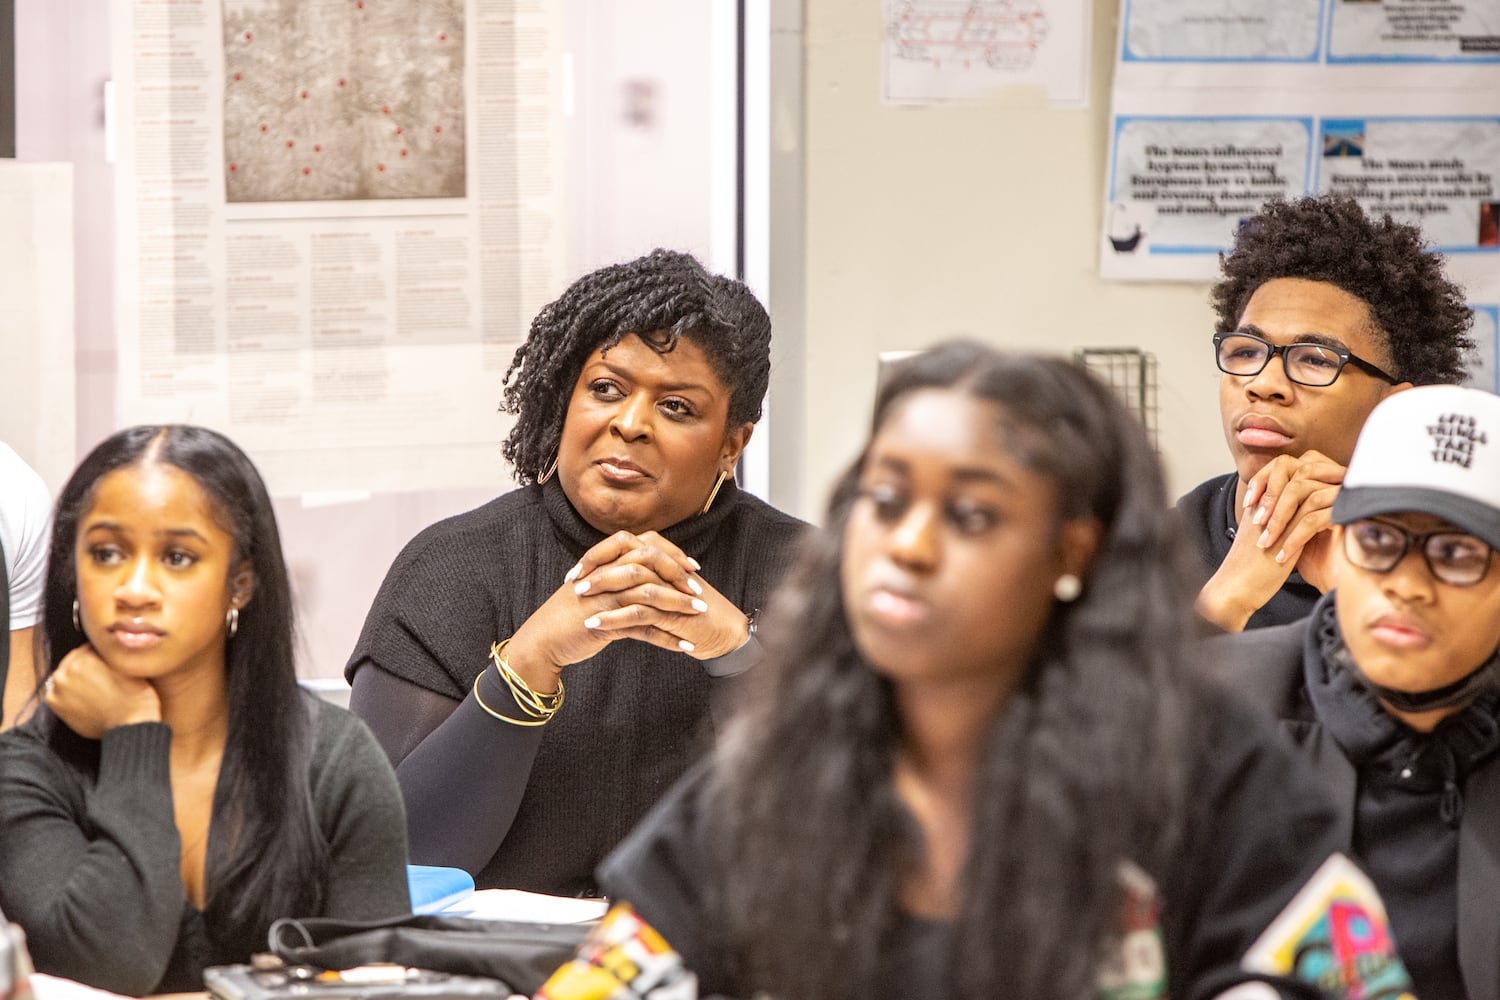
(1305, 364)
(1453, 557)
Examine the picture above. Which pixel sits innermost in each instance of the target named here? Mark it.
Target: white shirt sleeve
(25, 527)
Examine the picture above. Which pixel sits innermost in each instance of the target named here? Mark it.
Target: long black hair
(267, 857)
(661, 297)
(1082, 768)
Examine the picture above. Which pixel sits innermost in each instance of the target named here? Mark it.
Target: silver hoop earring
(551, 471)
(232, 621)
(77, 623)
(713, 493)
(1067, 588)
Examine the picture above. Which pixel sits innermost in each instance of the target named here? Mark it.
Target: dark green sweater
(90, 858)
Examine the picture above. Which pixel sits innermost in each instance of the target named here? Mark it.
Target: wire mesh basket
(1131, 372)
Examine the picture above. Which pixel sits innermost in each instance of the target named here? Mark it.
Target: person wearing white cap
(1391, 684)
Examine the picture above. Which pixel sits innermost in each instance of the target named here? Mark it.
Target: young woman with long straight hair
(973, 765)
(176, 790)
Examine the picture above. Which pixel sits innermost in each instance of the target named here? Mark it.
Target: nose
(916, 543)
(137, 587)
(1270, 382)
(1410, 581)
(632, 418)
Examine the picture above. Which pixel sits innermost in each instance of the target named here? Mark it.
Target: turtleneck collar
(693, 535)
(1370, 736)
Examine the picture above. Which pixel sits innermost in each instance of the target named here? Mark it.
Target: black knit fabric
(537, 808)
(1208, 522)
(90, 855)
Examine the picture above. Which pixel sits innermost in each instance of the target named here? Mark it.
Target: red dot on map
(248, 36)
(380, 167)
(398, 129)
(403, 152)
(386, 110)
(443, 36)
(437, 128)
(360, 5)
(304, 95)
(290, 144)
(318, 148)
(233, 167)
(341, 81)
(262, 128)
(306, 171)
(237, 76)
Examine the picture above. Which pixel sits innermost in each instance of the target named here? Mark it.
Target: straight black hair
(266, 857)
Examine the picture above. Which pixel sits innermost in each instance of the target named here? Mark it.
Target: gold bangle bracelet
(491, 711)
(533, 703)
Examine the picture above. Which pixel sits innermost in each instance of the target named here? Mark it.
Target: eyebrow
(168, 532)
(1321, 339)
(664, 386)
(964, 473)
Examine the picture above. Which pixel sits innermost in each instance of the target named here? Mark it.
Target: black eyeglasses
(1305, 364)
(1452, 556)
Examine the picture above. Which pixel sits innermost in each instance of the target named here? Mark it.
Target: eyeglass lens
(1452, 557)
(1309, 364)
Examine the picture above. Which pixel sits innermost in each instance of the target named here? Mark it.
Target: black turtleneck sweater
(538, 807)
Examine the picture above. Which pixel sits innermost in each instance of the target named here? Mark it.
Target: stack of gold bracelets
(541, 707)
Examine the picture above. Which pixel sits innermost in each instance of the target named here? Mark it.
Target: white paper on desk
(533, 907)
(45, 987)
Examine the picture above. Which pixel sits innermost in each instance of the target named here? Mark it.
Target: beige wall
(925, 222)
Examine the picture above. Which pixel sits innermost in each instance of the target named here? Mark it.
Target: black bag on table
(520, 954)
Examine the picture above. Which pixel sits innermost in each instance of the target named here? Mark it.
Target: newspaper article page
(335, 219)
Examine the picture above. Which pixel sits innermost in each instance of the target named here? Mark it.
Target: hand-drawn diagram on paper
(343, 99)
(965, 49)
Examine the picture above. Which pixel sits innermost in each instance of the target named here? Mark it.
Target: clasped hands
(1283, 524)
(626, 587)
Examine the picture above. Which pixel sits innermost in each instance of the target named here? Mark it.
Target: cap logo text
(1454, 438)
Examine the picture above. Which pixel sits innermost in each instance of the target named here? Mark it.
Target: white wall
(925, 222)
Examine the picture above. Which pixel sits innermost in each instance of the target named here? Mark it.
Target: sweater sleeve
(462, 772)
(359, 811)
(93, 874)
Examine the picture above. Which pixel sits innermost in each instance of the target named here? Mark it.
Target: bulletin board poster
(335, 219)
(1220, 104)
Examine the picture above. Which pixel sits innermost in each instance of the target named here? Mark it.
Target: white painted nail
(696, 564)
(581, 587)
(695, 586)
(685, 646)
(591, 622)
(573, 573)
(699, 605)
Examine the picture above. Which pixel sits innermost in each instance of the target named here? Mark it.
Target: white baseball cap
(1434, 449)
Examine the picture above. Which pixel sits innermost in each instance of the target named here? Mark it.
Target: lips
(897, 607)
(136, 635)
(618, 469)
(1254, 430)
(1399, 631)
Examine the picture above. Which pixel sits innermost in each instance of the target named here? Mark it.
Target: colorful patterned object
(623, 958)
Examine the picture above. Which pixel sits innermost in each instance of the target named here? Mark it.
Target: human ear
(242, 585)
(1078, 542)
(735, 439)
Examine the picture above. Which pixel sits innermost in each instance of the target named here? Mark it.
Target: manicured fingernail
(581, 587)
(699, 605)
(1249, 495)
(1260, 516)
(1281, 556)
(591, 622)
(695, 563)
(685, 646)
(573, 573)
(695, 586)
(1264, 540)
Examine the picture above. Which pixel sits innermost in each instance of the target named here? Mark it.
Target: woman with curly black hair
(624, 575)
(1323, 311)
(971, 765)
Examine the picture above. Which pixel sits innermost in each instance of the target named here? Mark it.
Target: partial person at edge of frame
(623, 575)
(974, 763)
(25, 512)
(1391, 685)
(1323, 311)
(176, 791)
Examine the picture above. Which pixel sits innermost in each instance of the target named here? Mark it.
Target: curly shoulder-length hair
(1418, 311)
(661, 297)
(267, 857)
(1083, 766)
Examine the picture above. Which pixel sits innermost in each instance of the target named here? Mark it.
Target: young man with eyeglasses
(1322, 313)
(1391, 685)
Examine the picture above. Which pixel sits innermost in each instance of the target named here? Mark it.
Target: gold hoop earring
(713, 493)
(551, 470)
(77, 624)
(232, 622)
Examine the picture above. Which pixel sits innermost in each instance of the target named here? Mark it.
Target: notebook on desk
(433, 888)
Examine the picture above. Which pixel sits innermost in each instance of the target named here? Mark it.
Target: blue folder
(434, 889)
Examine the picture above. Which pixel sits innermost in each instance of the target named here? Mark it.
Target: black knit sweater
(538, 807)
